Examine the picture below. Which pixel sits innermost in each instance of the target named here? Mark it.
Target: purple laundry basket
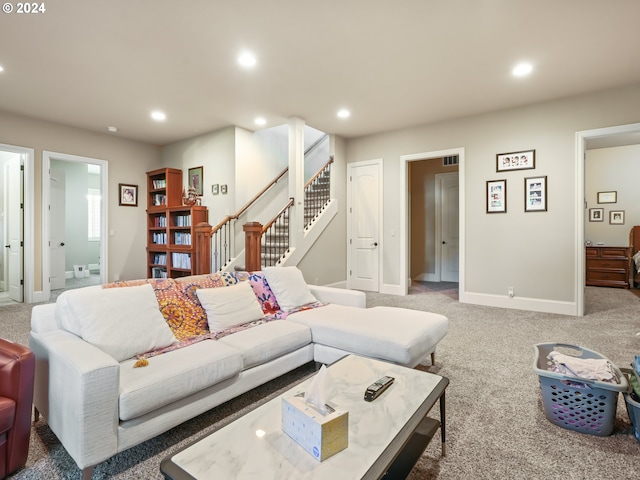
(580, 404)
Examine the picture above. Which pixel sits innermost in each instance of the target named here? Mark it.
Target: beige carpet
(495, 425)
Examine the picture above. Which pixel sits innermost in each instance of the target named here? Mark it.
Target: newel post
(202, 254)
(252, 247)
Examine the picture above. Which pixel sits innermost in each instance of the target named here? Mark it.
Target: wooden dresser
(608, 267)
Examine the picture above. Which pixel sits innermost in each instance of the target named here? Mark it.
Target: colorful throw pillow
(178, 304)
(122, 322)
(289, 287)
(230, 306)
(263, 292)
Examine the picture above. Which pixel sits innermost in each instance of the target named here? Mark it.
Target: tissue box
(320, 435)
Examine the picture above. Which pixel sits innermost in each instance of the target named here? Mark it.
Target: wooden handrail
(319, 172)
(275, 218)
(259, 194)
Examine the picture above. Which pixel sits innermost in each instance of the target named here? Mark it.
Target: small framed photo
(607, 197)
(195, 179)
(496, 196)
(596, 214)
(223, 189)
(215, 189)
(616, 217)
(128, 195)
(535, 194)
(516, 160)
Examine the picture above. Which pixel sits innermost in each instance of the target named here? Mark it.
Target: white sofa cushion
(270, 340)
(122, 322)
(289, 287)
(393, 334)
(229, 306)
(175, 375)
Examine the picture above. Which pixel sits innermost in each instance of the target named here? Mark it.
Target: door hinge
(350, 273)
(22, 168)
(22, 244)
(21, 282)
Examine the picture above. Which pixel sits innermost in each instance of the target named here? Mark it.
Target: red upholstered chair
(17, 365)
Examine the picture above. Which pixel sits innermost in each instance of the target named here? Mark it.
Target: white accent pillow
(122, 322)
(289, 287)
(229, 306)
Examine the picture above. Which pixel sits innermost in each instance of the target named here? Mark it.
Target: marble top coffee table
(254, 446)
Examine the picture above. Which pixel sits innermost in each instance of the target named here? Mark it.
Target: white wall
(533, 252)
(128, 161)
(613, 169)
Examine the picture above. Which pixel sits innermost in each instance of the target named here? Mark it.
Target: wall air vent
(450, 161)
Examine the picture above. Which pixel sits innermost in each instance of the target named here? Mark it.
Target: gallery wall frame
(596, 214)
(523, 160)
(496, 196)
(535, 194)
(616, 217)
(608, 197)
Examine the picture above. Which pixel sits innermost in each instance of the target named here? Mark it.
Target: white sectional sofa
(198, 356)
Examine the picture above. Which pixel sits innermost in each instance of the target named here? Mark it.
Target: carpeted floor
(496, 428)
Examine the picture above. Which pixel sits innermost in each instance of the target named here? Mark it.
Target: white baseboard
(520, 303)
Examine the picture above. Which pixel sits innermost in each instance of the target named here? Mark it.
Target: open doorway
(599, 138)
(75, 191)
(432, 219)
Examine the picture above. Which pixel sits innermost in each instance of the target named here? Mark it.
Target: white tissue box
(320, 435)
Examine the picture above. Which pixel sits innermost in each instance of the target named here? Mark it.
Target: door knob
(444, 243)
(62, 244)
(375, 244)
(7, 246)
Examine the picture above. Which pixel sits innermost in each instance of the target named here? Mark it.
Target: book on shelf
(159, 199)
(181, 260)
(159, 238)
(160, 221)
(158, 272)
(160, 183)
(183, 220)
(160, 259)
(182, 238)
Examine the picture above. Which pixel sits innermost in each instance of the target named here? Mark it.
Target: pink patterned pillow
(263, 292)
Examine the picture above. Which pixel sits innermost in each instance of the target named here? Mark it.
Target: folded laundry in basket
(599, 369)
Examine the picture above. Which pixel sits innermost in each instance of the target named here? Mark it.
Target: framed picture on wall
(496, 196)
(535, 194)
(616, 217)
(516, 160)
(128, 195)
(607, 197)
(596, 214)
(195, 179)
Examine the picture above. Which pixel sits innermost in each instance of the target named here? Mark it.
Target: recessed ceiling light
(522, 69)
(247, 59)
(260, 121)
(158, 116)
(1, 68)
(344, 113)
(112, 129)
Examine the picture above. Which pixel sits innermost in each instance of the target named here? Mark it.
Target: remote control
(374, 390)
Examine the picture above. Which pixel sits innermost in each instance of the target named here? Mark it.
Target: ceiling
(393, 64)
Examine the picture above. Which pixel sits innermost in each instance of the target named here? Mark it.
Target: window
(93, 208)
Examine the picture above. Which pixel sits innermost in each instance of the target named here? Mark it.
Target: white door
(57, 257)
(364, 223)
(450, 236)
(15, 213)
